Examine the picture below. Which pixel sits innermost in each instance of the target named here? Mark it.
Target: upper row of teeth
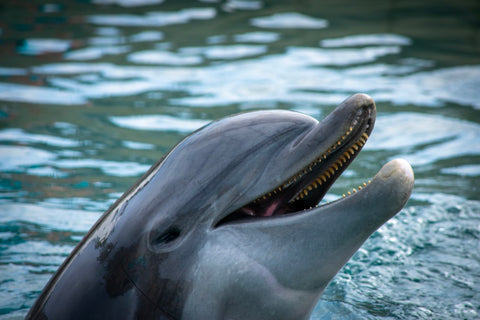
(321, 158)
(328, 173)
(334, 167)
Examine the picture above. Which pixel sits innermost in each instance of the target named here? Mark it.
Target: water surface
(92, 93)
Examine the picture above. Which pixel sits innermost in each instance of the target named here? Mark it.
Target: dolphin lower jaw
(323, 238)
(358, 214)
(306, 188)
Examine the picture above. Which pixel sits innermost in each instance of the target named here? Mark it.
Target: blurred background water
(92, 93)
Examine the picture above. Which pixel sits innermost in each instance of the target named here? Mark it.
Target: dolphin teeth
(354, 190)
(328, 173)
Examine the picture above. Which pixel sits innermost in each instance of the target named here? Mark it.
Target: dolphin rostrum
(227, 224)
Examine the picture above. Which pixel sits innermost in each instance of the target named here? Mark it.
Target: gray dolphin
(226, 225)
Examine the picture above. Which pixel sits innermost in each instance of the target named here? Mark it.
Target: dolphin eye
(166, 237)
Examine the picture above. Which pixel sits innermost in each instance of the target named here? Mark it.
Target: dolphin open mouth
(306, 188)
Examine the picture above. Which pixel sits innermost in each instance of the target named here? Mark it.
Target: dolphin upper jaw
(319, 151)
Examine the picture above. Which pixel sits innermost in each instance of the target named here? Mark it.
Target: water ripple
(153, 19)
(158, 123)
(289, 20)
(41, 95)
(414, 285)
(367, 40)
(49, 217)
(41, 46)
(15, 158)
(164, 57)
(111, 168)
(429, 138)
(128, 3)
(96, 52)
(227, 52)
(19, 135)
(307, 75)
(258, 36)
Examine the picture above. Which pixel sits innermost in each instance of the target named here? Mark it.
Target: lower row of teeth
(355, 190)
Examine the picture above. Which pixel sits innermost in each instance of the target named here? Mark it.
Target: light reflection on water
(429, 138)
(89, 103)
(296, 82)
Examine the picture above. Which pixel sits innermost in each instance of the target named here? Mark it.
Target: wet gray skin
(226, 226)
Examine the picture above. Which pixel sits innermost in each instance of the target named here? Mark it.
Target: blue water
(92, 93)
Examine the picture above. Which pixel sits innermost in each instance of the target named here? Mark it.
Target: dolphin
(227, 224)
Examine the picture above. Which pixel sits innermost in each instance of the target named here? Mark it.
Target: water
(94, 92)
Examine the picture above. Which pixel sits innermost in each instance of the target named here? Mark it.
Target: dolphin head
(227, 225)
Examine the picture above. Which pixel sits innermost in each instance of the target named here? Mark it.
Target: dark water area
(92, 93)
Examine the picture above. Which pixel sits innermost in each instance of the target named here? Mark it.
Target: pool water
(92, 93)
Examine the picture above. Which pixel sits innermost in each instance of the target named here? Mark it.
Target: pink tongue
(268, 211)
